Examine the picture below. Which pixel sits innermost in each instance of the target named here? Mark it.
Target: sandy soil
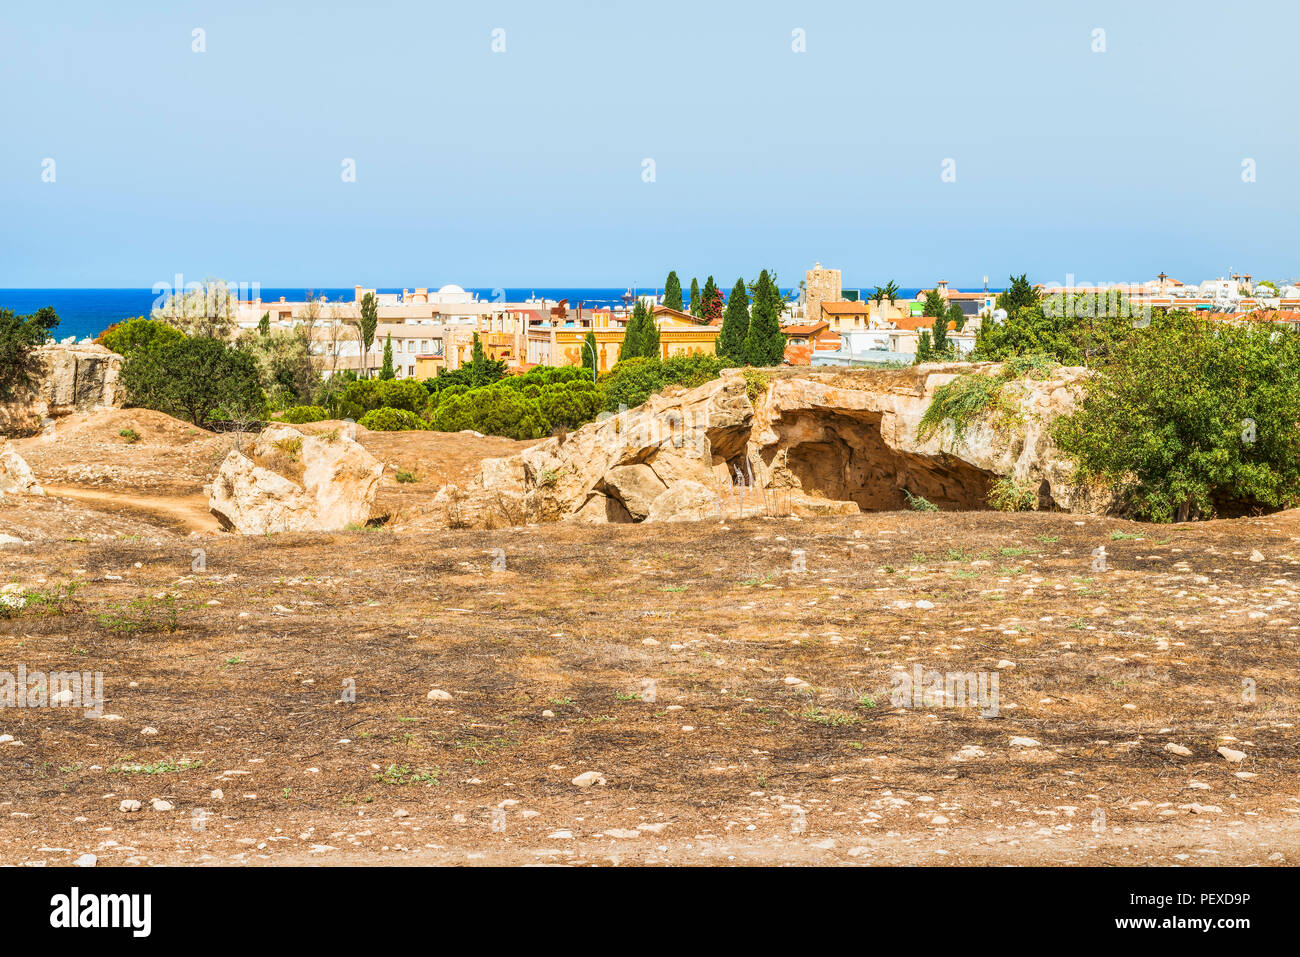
(733, 694)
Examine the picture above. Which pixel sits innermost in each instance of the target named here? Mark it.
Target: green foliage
(695, 297)
(764, 341)
(918, 503)
(193, 378)
(1018, 295)
(132, 335)
(405, 477)
(756, 384)
(570, 404)
(19, 338)
(935, 305)
(497, 409)
(1193, 416)
(690, 370)
(962, 401)
(286, 368)
(735, 325)
(673, 292)
(633, 381)
(143, 615)
(924, 351)
(391, 420)
(386, 370)
(1075, 330)
(591, 350)
(298, 414)
(264, 324)
(641, 336)
(131, 435)
(1008, 495)
(367, 325)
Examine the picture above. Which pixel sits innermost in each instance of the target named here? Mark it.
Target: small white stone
(1019, 742)
(86, 860)
(148, 730)
(160, 805)
(129, 806)
(437, 694)
(1233, 756)
(587, 778)
(1178, 749)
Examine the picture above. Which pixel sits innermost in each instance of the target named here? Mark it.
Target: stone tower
(820, 285)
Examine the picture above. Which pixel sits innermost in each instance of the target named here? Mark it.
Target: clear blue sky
(525, 167)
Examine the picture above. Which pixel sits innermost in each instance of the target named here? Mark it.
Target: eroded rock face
(818, 443)
(290, 482)
(75, 378)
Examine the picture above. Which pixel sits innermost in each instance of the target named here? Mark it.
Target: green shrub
(131, 435)
(918, 503)
(131, 335)
(196, 379)
(391, 420)
(1008, 495)
(1193, 417)
(299, 414)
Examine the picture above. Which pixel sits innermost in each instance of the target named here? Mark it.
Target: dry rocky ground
(275, 708)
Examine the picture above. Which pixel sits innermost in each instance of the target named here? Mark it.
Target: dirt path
(187, 511)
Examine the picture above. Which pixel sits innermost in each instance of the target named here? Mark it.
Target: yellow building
(680, 333)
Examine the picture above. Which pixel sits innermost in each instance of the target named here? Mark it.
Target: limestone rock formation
(16, 476)
(291, 482)
(72, 378)
(814, 442)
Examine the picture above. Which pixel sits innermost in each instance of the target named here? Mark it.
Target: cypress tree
(922, 347)
(590, 353)
(735, 325)
(386, 370)
(631, 347)
(695, 297)
(673, 291)
(764, 342)
(264, 324)
(649, 334)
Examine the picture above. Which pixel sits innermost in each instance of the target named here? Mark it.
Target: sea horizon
(85, 312)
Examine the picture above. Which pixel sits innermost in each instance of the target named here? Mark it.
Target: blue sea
(88, 312)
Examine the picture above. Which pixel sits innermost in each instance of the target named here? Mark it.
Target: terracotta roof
(804, 329)
(798, 355)
(913, 323)
(664, 310)
(842, 307)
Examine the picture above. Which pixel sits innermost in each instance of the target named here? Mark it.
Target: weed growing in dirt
(918, 503)
(55, 600)
(406, 477)
(143, 615)
(157, 767)
(131, 435)
(402, 774)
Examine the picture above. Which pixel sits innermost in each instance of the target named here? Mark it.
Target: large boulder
(291, 482)
(16, 476)
(65, 379)
(636, 486)
(687, 501)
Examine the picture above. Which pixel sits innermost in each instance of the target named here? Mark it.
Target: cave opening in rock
(842, 456)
